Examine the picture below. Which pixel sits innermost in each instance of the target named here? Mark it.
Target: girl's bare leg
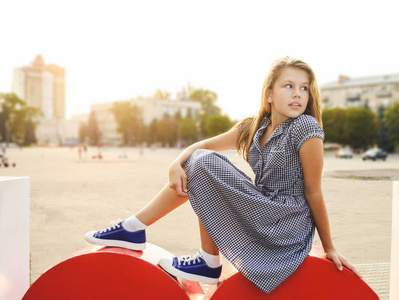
(163, 203)
(206, 242)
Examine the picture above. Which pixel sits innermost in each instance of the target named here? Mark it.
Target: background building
(150, 108)
(106, 123)
(157, 108)
(43, 86)
(371, 91)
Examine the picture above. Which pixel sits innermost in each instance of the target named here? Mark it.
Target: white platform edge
(394, 286)
(14, 237)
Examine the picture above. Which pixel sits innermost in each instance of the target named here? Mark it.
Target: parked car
(344, 153)
(330, 146)
(374, 154)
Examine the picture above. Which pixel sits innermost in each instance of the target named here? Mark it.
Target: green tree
(187, 129)
(13, 118)
(152, 136)
(217, 124)
(83, 133)
(333, 125)
(391, 118)
(93, 131)
(29, 134)
(207, 99)
(360, 127)
(383, 140)
(129, 120)
(161, 94)
(167, 130)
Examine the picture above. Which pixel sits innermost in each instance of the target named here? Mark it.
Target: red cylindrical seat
(111, 273)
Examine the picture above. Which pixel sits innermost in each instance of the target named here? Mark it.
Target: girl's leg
(203, 267)
(163, 203)
(130, 233)
(207, 243)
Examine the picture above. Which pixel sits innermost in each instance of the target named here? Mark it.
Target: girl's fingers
(180, 187)
(184, 184)
(337, 263)
(341, 261)
(178, 181)
(352, 268)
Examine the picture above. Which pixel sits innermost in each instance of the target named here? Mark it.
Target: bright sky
(116, 50)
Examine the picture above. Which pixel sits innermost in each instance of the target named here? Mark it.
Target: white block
(14, 237)
(394, 284)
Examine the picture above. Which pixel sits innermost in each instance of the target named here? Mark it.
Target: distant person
(141, 148)
(84, 152)
(3, 148)
(99, 152)
(80, 149)
(265, 229)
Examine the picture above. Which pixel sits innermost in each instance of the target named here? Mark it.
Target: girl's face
(289, 95)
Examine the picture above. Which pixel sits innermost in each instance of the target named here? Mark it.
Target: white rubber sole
(166, 264)
(113, 243)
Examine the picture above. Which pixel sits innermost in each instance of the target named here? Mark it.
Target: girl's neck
(275, 122)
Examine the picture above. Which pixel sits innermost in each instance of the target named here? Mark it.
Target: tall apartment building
(42, 86)
(373, 91)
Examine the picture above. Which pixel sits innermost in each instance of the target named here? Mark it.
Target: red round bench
(116, 273)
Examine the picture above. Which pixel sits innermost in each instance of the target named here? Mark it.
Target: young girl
(265, 229)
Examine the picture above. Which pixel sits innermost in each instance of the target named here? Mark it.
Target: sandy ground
(69, 198)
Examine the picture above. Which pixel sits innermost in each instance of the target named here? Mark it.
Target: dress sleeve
(304, 128)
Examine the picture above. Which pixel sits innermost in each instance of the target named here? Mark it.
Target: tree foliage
(29, 133)
(172, 129)
(167, 130)
(356, 126)
(187, 130)
(161, 94)
(333, 125)
(383, 140)
(93, 131)
(207, 99)
(217, 124)
(391, 118)
(360, 127)
(15, 118)
(129, 121)
(83, 132)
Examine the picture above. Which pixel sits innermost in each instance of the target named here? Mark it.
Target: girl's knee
(202, 157)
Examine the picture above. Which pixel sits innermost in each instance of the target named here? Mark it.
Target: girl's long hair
(248, 127)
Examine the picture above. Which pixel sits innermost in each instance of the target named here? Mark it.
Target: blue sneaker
(117, 236)
(192, 268)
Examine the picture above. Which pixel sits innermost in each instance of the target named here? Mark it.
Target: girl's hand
(340, 261)
(178, 179)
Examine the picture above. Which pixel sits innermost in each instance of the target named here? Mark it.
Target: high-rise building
(42, 86)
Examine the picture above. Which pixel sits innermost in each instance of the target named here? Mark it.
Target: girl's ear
(268, 96)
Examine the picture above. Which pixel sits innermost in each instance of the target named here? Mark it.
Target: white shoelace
(195, 258)
(114, 225)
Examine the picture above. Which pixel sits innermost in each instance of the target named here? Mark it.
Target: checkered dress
(265, 229)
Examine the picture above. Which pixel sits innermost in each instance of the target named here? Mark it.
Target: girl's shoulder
(305, 123)
(305, 120)
(303, 128)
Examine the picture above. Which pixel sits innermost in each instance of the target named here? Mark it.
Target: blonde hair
(248, 127)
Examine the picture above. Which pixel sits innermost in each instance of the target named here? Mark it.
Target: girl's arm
(177, 174)
(311, 156)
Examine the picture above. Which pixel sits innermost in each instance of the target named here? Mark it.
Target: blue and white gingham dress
(265, 229)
